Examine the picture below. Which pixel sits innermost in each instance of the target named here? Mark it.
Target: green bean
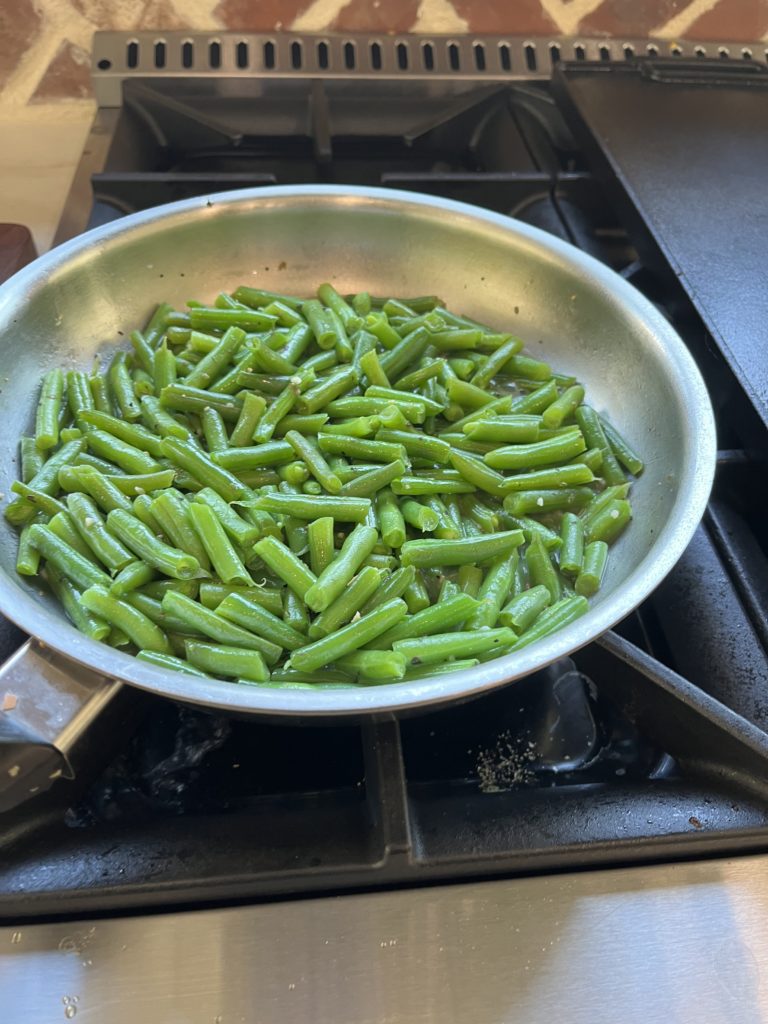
(594, 435)
(609, 522)
(349, 638)
(417, 445)
(319, 320)
(258, 297)
(430, 485)
(390, 519)
(27, 556)
(212, 594)
(428, 370)
(32, 459)
(37, 501)
(540, 453)
(220, 660)
(553, 619)
(90, 526)
(418, 516)
(378, 560)
(298, 341)
(532, 528)
(416, 595)
(521, 503)
(153, 609)
(362, 426)
(371, 482)
(448, 526)
(496, 362)
(525, 608)
(404, 401)
(296, 473)
(250, 414)
(337, 574)
(100, 392)
(541, 571)
(428, 671)
(284, 564)
(212, 535)
(48, 410)
(563, 407)
(63, 526)
(170, 663)
(212, 319)
(158, 588)
(414, 411)
(357, 447)
(158, 420)
(628, 458)
(439, 617)
(65, 558)
(442, 646)
(131, 577)
(517, 428)
(214, 430)
(394, 585)
(269, 453)
(69, 598)
(281, 406)
(164, 371)
(295, 612)
(493, 592)
(242, 533)
(121, 386)
(572, 551)
(476, 473)
(101, 488)
(470, 579)
(122, 454)
(314, 461)
(156, 325)
(304, 424)
(406, 352)
(591, 576)
(337, 383)
(480, 514)
(342, 509)
(375, 665)
(602, 500)
(143, 352)
(548, 479)
(137, 627)
(249, 614)
(212, 625)
(270, 361)
(78, 388)
(361, 303)
(379, 326)
(184, 398)
(320, 540)
(140, 539)
(142, 509)
(132, 434)
(527, 368)
(467, 395)
(351, 601)
(373, 370)
(172, 513)
(187, 456)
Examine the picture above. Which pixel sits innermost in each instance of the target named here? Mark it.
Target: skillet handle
(47, 707)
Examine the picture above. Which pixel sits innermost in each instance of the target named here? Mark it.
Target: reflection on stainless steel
(79, 203)
(588, 320)
(679, 943)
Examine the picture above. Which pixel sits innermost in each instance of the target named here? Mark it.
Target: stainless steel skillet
(75, 301)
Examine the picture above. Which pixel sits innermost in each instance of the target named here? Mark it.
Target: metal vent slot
(530, 56)
(187, 54)
(376, 56)
(241, 54)
(723, 52)
(296, 55)
(479, 52)
(322, 55)
(554, 54)
(454, 57)
(269, 54)
(653, 51)
(350, 57)
(401, 51)
(605, 53)
(160, 54)
(214, 54)
(505, 57)
(629, 51)
(700, 51)
(579, 52)
(746, 53)
(675, 50)
(132, 54)
(428, 56)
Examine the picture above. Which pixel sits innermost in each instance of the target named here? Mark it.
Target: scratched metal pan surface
(75, 301)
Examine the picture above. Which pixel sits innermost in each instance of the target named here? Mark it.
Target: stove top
(649, 743)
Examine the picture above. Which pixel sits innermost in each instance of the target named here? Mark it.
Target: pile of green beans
(339, 491)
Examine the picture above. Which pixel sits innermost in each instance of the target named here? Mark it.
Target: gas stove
(648, 744)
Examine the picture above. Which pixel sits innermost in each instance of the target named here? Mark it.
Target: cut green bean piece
(250, 414)
(549, 479)
(303, 424)
(361, 426)
(66, 558)
(129, 459)
(430, 485)
(133, 576)
(591, 576)
(212, 625)
(426, 553)
(493, 592)
(553, 619)
(78, 388)
(121, 386)
(69, 598)
(188, 457)
(432, 368)
(334, 578)
(212, 319)
(37, 500)
(373, 370)
(140, 539)
(90, 525)
(609, 522)
(541, 571)
(342, 509)
(321, 543)
(242, 533)
(437, 618)
(48, 410)
(572, 551)
(522, 503)
(172, 513)
(525, 608)
(404, 400)
(349, 638)
(594, 435)
(442, 646)
(416, 595)
(295, 612)
(390, 519)
(540, 453)
(395, 585)
(476, 473)
(212, 594)
(371, 482)
(418, 516)
(27, 556)
(314, 461)
(248, 613)
(160, 421)
(100, 487)
(225, 560)
(518, 428)
(171, 663)
(563, 407)
(337, 383)
(214, 431)
(284, 564)
(138, 628)
(32, 459)
(414, 411)
(221, 660)
(628, 458)
(375, 665)
(132, 434)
